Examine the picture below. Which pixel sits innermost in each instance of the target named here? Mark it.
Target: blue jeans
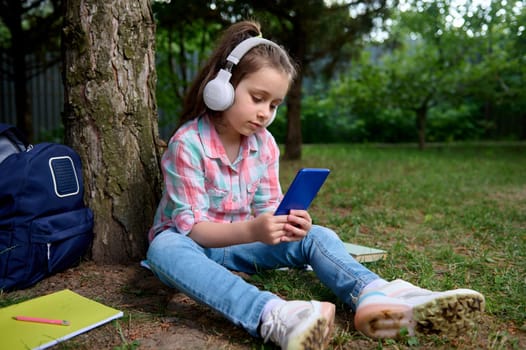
(204, 273)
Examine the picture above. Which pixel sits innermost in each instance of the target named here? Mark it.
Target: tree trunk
(24, 120)
(421, 116)
(294, 139)
(110, 118)
(297, 49)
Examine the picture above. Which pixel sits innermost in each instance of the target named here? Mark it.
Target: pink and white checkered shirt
(201, 184)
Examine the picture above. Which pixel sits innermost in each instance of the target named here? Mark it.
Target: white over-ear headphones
(218, 93)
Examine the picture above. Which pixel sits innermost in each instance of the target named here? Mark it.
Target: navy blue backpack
(44, 225)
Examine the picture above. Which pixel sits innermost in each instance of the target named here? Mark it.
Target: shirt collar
(212, 145)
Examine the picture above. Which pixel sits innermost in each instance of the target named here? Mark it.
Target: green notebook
(81, 313)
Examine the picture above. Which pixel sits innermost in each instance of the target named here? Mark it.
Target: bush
(447, 124)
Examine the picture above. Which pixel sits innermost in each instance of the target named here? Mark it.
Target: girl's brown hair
(255, 59)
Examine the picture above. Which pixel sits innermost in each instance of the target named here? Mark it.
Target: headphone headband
(243, 47)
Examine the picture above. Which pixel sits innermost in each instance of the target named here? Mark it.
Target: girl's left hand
(298, 225)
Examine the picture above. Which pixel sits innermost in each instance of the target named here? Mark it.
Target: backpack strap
(11, 141)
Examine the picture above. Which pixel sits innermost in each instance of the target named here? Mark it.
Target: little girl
(216, 216)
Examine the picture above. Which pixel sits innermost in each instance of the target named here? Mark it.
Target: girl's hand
(269, 228)
(298, 225)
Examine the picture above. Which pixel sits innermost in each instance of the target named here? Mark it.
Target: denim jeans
(204, 273)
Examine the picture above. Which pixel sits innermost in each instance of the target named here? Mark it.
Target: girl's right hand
(269, 228)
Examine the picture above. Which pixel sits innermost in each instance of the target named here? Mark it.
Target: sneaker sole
(319, 334)
(450, 314)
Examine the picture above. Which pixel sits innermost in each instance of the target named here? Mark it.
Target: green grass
(449, 217)
(452, 216)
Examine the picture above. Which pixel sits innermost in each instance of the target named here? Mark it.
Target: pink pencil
(41, 320)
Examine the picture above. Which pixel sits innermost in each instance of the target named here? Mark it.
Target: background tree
(496, 73)
(456, 68)
(464, 64)
(321, 37)
(110, 119)
(33, 28)
(425, 66)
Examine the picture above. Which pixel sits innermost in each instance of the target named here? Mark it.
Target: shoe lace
(274, 329)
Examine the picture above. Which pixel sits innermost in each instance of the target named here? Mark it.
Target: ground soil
(156, 317)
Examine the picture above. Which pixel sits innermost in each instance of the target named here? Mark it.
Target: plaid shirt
(201, 184)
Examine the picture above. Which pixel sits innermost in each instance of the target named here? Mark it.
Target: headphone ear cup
(218, 93)
(272, 118)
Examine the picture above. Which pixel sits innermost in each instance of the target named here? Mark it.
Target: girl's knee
(322, 233)
(168, 243)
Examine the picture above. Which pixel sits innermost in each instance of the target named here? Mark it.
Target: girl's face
(257, 97)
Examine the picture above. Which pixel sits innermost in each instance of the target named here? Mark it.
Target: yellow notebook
(81, 313)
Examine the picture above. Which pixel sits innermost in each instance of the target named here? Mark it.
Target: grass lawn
(450, 217)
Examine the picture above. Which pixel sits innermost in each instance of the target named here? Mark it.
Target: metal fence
(46, 96)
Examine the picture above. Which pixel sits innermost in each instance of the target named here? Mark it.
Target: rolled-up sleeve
(185, 186)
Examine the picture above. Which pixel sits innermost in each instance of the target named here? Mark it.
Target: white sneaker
(300, 325)
(384, 312)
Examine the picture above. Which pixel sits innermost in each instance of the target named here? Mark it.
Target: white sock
(271, 304)
(377, 283)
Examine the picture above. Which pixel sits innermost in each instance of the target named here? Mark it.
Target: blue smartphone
(302, 190)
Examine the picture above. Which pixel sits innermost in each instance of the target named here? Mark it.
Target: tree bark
(110, 118)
